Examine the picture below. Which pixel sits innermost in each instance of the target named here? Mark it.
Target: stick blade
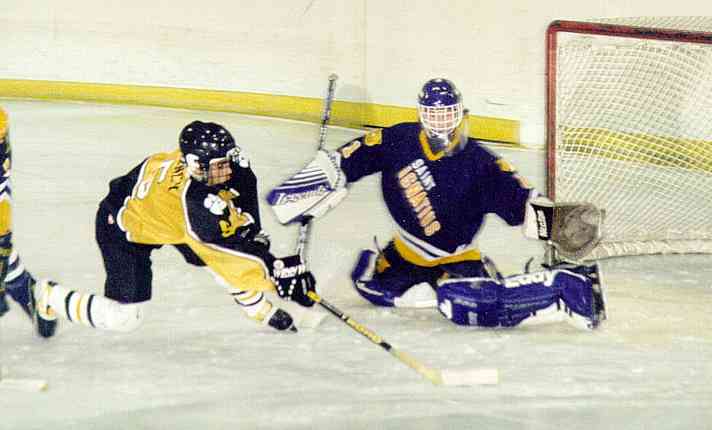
(26, 385)
(468, 377)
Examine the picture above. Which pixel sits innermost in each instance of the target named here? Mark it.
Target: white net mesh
(634, 135)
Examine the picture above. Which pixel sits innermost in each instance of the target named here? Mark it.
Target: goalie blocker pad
(574, 229)
(312, 191)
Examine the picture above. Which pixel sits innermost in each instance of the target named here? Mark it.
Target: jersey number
(144, 186)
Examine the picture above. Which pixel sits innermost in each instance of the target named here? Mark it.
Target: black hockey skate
(3, 303)
(45, 320)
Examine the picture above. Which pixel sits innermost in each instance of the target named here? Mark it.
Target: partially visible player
(202, 199)
(15, 280)
(438, 185)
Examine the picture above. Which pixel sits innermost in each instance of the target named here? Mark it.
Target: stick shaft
(326, 114)
(433, 375)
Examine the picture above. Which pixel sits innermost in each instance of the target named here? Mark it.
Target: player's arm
(322, 184)
(363, 156)
(574, 229)
(503, 191)
(220, 223)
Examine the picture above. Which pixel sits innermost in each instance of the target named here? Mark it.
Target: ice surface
(197, 362)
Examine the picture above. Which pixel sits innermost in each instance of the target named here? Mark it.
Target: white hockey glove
(574, 229)
(315, 189)
(292, 280)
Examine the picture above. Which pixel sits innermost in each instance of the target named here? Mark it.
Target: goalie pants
(397, 273)
(129, 275)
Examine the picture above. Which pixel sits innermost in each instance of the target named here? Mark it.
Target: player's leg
(18, 283)
(385, 278)
(574, 294)
(128, 284)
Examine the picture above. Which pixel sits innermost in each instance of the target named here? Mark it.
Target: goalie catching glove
(574, 229)
(292, 280)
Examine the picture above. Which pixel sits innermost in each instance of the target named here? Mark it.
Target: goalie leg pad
(487, 303)
(388, 291)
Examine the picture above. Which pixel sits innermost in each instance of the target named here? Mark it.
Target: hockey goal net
(629, 129)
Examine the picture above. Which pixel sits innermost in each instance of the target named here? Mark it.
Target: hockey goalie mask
(209, 152)
(441, 114)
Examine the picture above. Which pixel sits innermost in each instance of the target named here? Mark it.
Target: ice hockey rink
(198, 362)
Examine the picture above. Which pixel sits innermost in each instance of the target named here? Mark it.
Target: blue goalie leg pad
(381, 290)
(470, 301)
(361, 276)
(488, 303)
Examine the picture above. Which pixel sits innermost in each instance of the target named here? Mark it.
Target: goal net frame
(611, 247)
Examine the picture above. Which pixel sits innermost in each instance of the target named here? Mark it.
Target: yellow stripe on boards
(344, 113)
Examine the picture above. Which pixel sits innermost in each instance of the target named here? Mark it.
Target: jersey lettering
(415, 180)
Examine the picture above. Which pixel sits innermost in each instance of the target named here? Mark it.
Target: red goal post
(629, 128)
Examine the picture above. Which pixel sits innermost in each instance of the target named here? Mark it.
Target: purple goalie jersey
(438, 202)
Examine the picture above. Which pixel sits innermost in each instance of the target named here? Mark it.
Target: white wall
(383, 50)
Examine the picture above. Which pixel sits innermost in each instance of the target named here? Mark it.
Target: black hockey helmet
(203, 142)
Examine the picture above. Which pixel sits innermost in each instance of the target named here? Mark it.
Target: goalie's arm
(574, 229)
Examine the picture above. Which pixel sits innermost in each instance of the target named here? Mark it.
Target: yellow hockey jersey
(5, 164)
(157, 203)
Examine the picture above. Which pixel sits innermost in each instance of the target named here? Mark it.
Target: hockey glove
(574, 229)
(292, 280)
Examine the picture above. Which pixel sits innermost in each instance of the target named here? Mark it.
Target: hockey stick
(21, 384)
(325, 116)
(433, 375)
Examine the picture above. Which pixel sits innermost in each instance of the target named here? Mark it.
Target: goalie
(438, 184)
